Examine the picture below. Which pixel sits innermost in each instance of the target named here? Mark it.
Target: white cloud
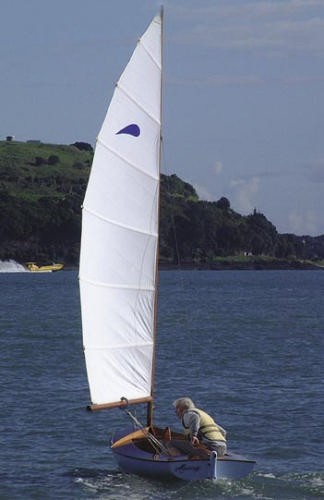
(217, 80)
(304, 223)
(244, 194)
(217, 167)
(273, 27)
(203, 193)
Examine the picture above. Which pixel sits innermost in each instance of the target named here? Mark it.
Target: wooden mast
(150, 403)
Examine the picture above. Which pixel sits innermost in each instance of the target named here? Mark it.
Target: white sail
(120, 232)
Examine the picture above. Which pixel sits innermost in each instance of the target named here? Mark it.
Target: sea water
(246, 346)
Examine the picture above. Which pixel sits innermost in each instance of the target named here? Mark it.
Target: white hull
(135, 457)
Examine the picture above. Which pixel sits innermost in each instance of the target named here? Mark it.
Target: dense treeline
(41, 191)
(207, 230)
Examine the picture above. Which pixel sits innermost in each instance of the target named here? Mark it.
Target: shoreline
(252, 265)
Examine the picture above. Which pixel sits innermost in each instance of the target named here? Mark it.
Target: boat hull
(189, 467)
(34, 268)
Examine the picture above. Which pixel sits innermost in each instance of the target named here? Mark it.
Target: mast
(150, 405)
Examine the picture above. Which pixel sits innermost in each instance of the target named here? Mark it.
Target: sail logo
(132, 129)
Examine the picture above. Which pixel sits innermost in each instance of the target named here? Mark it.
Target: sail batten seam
(119, 224)
(157, 64)
(119, 286)
(145, 111)
(120, 346)
(123, 158)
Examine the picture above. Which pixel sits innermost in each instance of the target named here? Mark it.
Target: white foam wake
(11, 266)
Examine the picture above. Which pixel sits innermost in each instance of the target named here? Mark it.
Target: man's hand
(194, 440)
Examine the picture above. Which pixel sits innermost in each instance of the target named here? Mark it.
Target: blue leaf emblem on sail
(131, 129)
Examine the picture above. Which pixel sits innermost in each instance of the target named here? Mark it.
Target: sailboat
(118, 275)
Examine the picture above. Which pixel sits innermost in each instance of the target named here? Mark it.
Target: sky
(243, 106)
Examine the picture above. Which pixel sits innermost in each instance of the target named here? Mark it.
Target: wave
(11, 266)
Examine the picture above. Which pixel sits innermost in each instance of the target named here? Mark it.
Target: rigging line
(181, 281)
(172, 211)
(156, 443)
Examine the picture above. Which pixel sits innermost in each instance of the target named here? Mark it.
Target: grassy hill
(41, 191)
(42, 187)
(34, 170)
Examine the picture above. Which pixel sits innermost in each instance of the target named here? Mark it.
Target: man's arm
(192, 420)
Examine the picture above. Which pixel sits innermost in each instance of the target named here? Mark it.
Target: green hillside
(33, 170)
(42, 187)
(41, 190)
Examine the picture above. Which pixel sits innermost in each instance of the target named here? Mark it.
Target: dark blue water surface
(247, 346)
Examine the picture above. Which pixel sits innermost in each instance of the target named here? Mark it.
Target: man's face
(179, 411)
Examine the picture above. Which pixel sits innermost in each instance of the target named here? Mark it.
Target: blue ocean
(246, 346)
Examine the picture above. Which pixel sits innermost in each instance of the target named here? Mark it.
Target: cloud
(203, 192)
(244, 194)
(217, 167)
(304, 223)
(217, 80)
(276, 27)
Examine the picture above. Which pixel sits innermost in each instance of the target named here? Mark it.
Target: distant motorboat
(34, 268)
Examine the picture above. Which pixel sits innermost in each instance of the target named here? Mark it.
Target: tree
(223, 203)
(83, 146)
(261, 236)
(53, 160)
(39, 160)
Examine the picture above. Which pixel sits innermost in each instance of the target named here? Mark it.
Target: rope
(156, 443)
(181, 280)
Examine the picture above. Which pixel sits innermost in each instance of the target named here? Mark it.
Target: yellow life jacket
(208, 427)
